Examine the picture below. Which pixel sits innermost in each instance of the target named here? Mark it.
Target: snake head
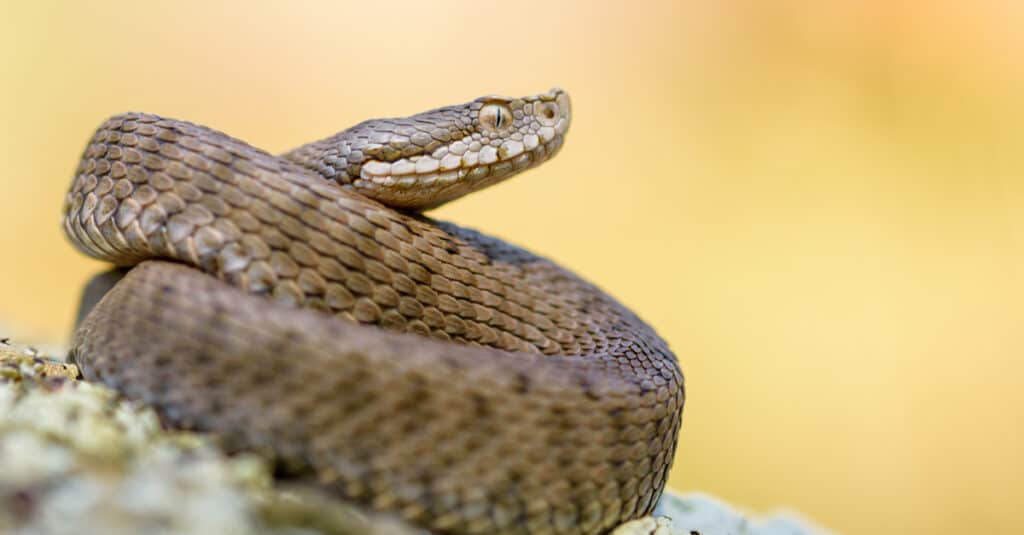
(425, 160)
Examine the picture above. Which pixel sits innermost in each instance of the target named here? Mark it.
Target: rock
(698, 514)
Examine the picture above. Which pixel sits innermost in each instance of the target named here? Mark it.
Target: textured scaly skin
(469, 386)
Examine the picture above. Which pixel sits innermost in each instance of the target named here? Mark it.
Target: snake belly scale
(301, 307)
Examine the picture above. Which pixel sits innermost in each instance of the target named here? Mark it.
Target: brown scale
(556, 411)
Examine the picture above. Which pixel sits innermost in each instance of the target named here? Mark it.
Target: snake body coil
(474, 388)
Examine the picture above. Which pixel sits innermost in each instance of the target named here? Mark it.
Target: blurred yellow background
(819, 204)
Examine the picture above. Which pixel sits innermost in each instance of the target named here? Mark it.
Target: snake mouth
(455, 164)
(422, 191)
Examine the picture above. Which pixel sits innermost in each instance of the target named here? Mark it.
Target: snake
(302, 307)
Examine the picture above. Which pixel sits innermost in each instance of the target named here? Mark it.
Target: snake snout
(561, 98)
(563, 112)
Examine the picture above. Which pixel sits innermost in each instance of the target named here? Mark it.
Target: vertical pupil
(497, 117)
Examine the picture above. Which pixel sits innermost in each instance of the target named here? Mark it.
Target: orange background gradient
(819, 204)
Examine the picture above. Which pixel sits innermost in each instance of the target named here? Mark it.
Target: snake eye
(495, 117)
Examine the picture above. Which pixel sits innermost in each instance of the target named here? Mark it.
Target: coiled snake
(473, 386)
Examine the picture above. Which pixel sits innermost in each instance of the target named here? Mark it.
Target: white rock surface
(699, 514)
